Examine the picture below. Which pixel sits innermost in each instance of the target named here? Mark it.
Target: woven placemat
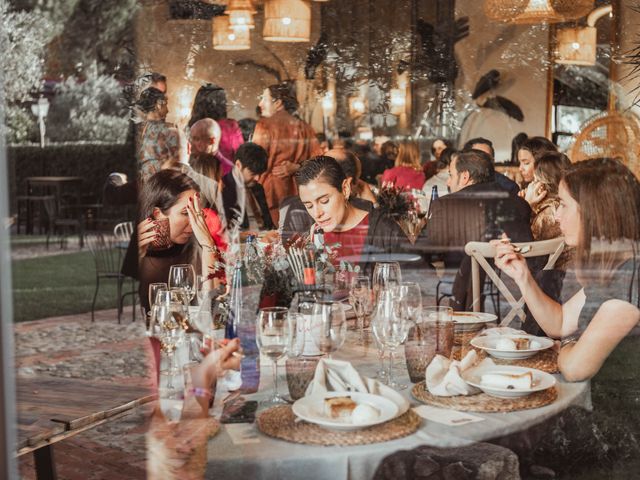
(280, 422)
(546, 360)
(485, 403)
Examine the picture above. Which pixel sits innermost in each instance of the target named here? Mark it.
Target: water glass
(361, 301)
(410, 297)
(273, 336)
(183, 276)
(329, 329)
(426, 340)
(385, 275)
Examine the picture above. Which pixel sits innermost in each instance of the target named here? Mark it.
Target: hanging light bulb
(226, 38)
(287, 21)
(240, 14)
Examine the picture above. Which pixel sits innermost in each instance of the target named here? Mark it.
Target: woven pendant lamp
(576, 46)
(287, 21)
(536, 11)
(240, 14)
(226, 38)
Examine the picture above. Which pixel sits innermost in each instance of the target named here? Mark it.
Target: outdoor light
(224, 38)
(398, 101)
(240, 14)
(538, 11)
(578, 45)
(357, 106)
(287, 21)
(41, 109)
(185, 98)
(328, 104)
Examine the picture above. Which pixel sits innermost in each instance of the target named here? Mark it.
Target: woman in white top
(440, 178)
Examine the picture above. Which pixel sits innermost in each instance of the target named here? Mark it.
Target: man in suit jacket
(477, 209)
(250, 163)
(486, 146)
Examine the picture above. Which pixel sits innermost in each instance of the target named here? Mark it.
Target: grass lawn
(59, 285)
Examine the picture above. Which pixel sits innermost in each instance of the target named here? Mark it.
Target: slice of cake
(522, 343)
(339, 407)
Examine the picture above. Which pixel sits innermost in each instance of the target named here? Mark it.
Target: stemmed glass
(154, 288)
(385, 275)
(329, 327)
(390, 326)
(167, 327)
(183, 276)
(200, 281)
(410, 297)
(361, 301)
(273, 337)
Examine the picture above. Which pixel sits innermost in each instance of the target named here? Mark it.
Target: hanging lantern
(398, 101)
(287, 21)
(576, 46)
(536, 11)
(226, 38)
(240, 14)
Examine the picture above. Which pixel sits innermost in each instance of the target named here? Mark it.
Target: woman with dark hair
(516, 143)
(599, 215)
(407, 172)
(325, 191)
(529, 152)
(287, 140)
(352, 168)
(211, 102)
(158, 143)
(171, 217)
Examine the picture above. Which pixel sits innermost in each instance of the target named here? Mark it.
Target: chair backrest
(122, 231)
(107, 258)
(480, 251)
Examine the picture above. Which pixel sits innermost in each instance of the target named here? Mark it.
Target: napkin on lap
(340, 376)
(444, 376)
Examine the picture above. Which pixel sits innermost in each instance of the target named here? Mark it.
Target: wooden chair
(481, 251)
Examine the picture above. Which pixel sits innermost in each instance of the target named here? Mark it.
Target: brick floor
(114, 450)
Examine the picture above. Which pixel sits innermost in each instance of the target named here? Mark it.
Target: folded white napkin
(497, 331)
(340, 376)
(444, 376)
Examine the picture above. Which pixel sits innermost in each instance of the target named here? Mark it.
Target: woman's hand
(199, 224)
(509, 261)
(227, 357)
(535, 193)
(146, 235)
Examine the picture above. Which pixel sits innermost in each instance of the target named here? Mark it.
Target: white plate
(541, 380)
(468, 321)
(488, 344)
(311, 409)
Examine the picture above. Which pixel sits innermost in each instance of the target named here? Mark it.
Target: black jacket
(231, 207)
(480, 213)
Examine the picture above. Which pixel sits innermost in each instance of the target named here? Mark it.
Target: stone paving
(73, 347)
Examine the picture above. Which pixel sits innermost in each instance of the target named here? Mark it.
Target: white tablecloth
(277, 459)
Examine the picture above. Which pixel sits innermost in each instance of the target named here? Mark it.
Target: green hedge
(91, 161)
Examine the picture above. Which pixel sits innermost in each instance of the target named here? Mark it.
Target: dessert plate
(311, 409)
(467, 321)
(490, 345)
(540, 380)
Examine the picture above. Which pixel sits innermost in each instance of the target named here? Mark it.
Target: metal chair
(58, 224)
(123, 231)
(108, 262)
(480, 251)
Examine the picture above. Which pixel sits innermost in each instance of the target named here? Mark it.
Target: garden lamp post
(40, 109)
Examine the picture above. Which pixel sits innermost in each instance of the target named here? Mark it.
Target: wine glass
(391, 327)
(329, 330)
(183, 276)
(273, 336)
(410, 297)
(200, 281)
(385, 275)
(154, 288)
(360, 299)
(167, 326)
(170, 397)
(180, 297)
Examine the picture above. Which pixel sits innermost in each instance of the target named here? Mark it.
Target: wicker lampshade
(226, 38)
(287, 20)
(536, 11)
(609, 134)
(240, 14)
(576, 46)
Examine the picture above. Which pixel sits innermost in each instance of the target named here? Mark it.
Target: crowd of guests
(283, 177)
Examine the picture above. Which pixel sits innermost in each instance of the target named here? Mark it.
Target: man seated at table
(250, 163)
(477, 209)
(486, 146)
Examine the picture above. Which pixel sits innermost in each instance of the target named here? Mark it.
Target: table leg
(45, 464)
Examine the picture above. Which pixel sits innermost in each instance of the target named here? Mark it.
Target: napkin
(444, 376)
(341, 376)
